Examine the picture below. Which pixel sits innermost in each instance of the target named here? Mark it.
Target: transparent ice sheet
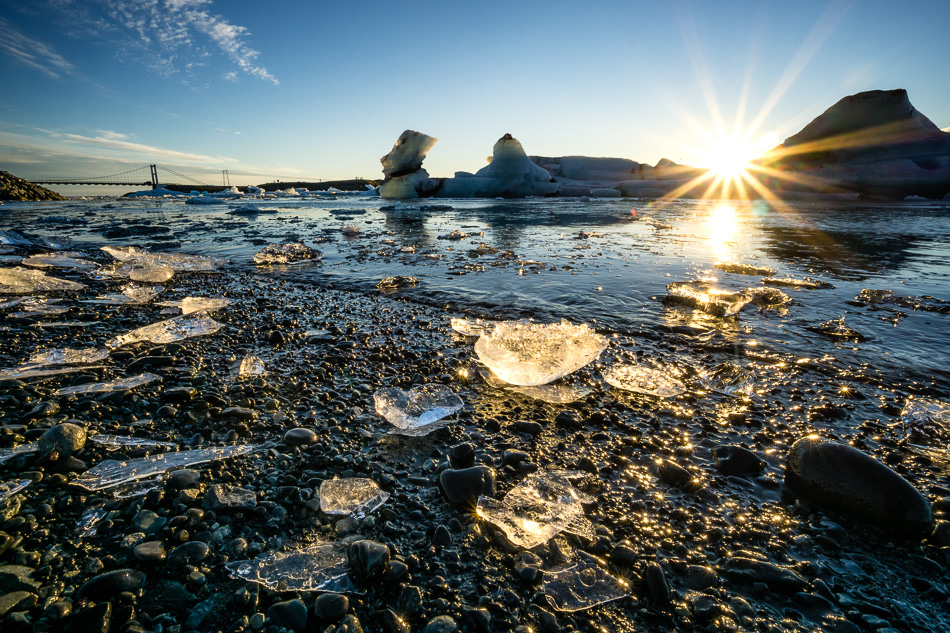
(645, 379)
(320, 567)
(169, 331)
(415, 412)
(583, 586)
(19, 280)
(123, 384)
(351, 496)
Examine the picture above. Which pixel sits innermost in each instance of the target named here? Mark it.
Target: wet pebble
(841, 478)
(330, 607)
(299, 437)
(736, 460)
(291, 614)
(63, 439)
(462, 455)
(350, 624)
(149, 552)
(368, 559)
(441, 624)
(442, 537)
(111, 583)
(657, 587)
(189, 553)
(463, 487)
(227, 498)
(751, 570)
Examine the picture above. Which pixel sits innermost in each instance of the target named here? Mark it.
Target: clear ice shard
(351, 496)
(645, 379)
(418, 411)
(553, 393)
(123, 384)
(10, 488)
(702, 296)
(7, 454)
(249, 367)
(131, 294)
(286, 253)
(115, 442)
(471, 327)
(198, 304)
(583, 585)
(89, 522)
(729, 379)
(536, 510)
(109, 473)
(38, 306)
(14, 238)
(919, 412)
(320, 567)
(58, 260)
(532, 354)
(151, 274)
(19, 280)
(32, 371)
(140, 258)
(68, 356)
(169, 331)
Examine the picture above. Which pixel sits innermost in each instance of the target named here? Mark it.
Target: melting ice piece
(7, 454)
(58, 260)
(794, 282)
(198, 304)
(115, 442)
(540, 507)
(89, 522)
(921, 411)
(249, 367)
(351, 496)
(286, 253)
(471, 327)
(350, 230)
(10, 488)
(767, 297)
(68, 356)
(702, 296)
(745, 269)
(730, 379)
(151, 274)
(417, 411)
(38, 306)
(131, 294)
(109, 473)
(321, 567)
(123, 384)
(176, 261)
(399, 281)
(582, 586)
(652, 381)
(14, 238)
(19, 280)
(554, 393)
(31, 371)
(531, 354)
(169, 331)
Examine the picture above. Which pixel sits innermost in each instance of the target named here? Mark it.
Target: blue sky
(305, 89)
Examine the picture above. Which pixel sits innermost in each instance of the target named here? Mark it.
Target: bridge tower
(154, 169)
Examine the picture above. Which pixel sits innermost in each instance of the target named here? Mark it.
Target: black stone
(736, 460)
(368, 559)
(463, 487)
(112, 583)
(330, 607)
(291, 614)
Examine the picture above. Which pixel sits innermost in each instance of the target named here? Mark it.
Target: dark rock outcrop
(13, 188)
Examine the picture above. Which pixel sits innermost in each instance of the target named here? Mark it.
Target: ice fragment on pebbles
(532, 354)
(8, 489)
(651, 381)
(151, 274)
(68, 356)
(27, 280)
(58, 260)
(540, 507)
(320, 567)
(32, 371)
(38, 306)
(729, 379)
(111, 473)
(169, 331)
(138, 257)
(702, 296)
(921, 411)
(115, 442)
(286, 253)
(418, 411)
(471, 327)
(394, 283)
(198, 304)
(111, 386)
(130, 294)
(249, 367)
(351, 496)
(582, 586)
(7, 454)
(558, 392)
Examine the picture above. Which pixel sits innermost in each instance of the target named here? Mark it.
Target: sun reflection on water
(722, 232)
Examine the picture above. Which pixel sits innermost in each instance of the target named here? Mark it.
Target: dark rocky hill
(13, 188)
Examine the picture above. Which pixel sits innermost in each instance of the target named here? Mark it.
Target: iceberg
(583, 586)
(403, 174)
(532, 354)
(20, 281)
(651, 381)
(286, 253)
(510, 174)
(417, 411)
(536, 510)
(351, 496)
(169, 331)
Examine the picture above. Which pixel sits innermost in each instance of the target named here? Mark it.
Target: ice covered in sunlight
(38, 306)
(418, 411)
(115, 442)
(351, 496)
(745, 269)
(176, 261)
(532, 354)
(536, 510)
(130, 295)
(729, 379)
(471, 327)
(286, 253)
(249, 367)
(10, 488)
(645, 379)
(169, 331)
(198, 304)
(557, 392)
(68, 356)
(24, 372)
(318, 567)
(7, 454)
(151, 274)
(58, 260)
(123, 384)
(702, 296)
(109, 473)
(19, 280)
(794, 282)
(766, 297)
(583, 586)
(919, 412)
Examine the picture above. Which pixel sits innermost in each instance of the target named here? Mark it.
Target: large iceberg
(402, 166)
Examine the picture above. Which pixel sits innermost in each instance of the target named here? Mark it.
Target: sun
(729, 157)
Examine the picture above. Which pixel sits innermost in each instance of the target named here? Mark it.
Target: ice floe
(583, 585)
(20, 280)
(418, 411)
(122, 384)
(351, 496)
(169, 331)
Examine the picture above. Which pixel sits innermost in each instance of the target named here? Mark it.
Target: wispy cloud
(108, 139)
(33, 53)
(174, 33)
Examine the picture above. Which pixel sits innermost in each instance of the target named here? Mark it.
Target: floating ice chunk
(286, 253)
(68, 356)
(536, 510)
(417, 411)
(123, 384)
(129, 295)
(835, 329)
(10, 488)
(38, 306)
(58, 260)
(532, 354)
(922, 411)
(31, 371)
(352, 496)
(14, 238)
(394, 283)
(766, 297)
(321, 567)
(18, 281)
(729, 379)
(745, 269)
(115, 442)
(454, 236)
(252, 209)
(702, 296)
(198, 304)
(169, 331)
(250, 367)
(471, 327)
(203, 199)
(651, 381)
(583, 586)
(793, 282)
(151, 275)
(350, 230)
(7, 454)
(109, 473)
(176, 261)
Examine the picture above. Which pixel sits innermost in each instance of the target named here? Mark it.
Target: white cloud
(116, 141)
(33, 53)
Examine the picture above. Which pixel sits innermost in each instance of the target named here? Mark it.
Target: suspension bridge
(144, 176)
